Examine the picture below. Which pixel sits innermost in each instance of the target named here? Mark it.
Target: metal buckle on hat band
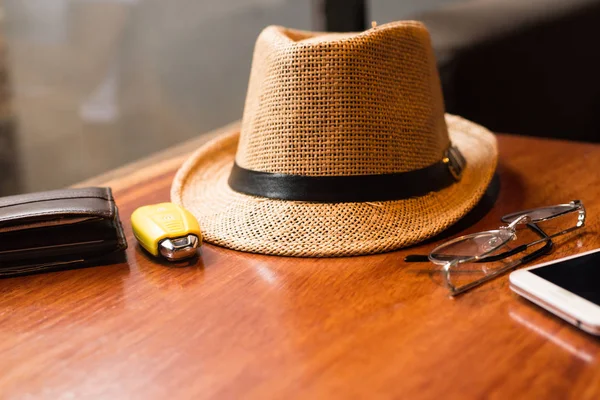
(455, 161)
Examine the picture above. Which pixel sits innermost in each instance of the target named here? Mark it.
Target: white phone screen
(579, 275)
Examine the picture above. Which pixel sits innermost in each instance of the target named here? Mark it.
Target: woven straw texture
(336, 104)
(365, 103)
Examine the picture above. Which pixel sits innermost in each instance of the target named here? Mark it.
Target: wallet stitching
(65, 211)
(79, 194)
(57, 199)
(77, 219)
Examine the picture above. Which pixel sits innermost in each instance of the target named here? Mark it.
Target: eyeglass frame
(486, 257)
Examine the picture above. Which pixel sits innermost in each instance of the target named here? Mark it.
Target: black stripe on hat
(351, 188)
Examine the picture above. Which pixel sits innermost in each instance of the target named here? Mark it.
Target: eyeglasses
(482, 247)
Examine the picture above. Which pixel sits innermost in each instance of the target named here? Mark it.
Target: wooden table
(235, 325)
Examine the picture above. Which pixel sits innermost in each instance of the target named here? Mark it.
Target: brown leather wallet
(58, 229)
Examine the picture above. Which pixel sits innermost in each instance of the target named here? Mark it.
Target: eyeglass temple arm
(565, 231)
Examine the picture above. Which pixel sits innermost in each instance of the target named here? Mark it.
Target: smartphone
(568, 287)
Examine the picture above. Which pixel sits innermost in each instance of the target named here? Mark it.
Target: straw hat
(344, 149)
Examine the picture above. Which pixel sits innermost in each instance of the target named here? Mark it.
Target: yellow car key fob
(166, 230)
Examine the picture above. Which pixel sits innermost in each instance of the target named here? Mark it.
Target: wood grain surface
(234, 325)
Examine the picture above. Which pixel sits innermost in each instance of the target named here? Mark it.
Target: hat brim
(303, 229)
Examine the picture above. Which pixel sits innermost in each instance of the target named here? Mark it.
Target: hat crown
(321, 104)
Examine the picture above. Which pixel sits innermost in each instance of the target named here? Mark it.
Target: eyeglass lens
(471, 247)
(460, 277)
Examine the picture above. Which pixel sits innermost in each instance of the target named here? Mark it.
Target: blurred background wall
(89, 85)
(97, 84)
